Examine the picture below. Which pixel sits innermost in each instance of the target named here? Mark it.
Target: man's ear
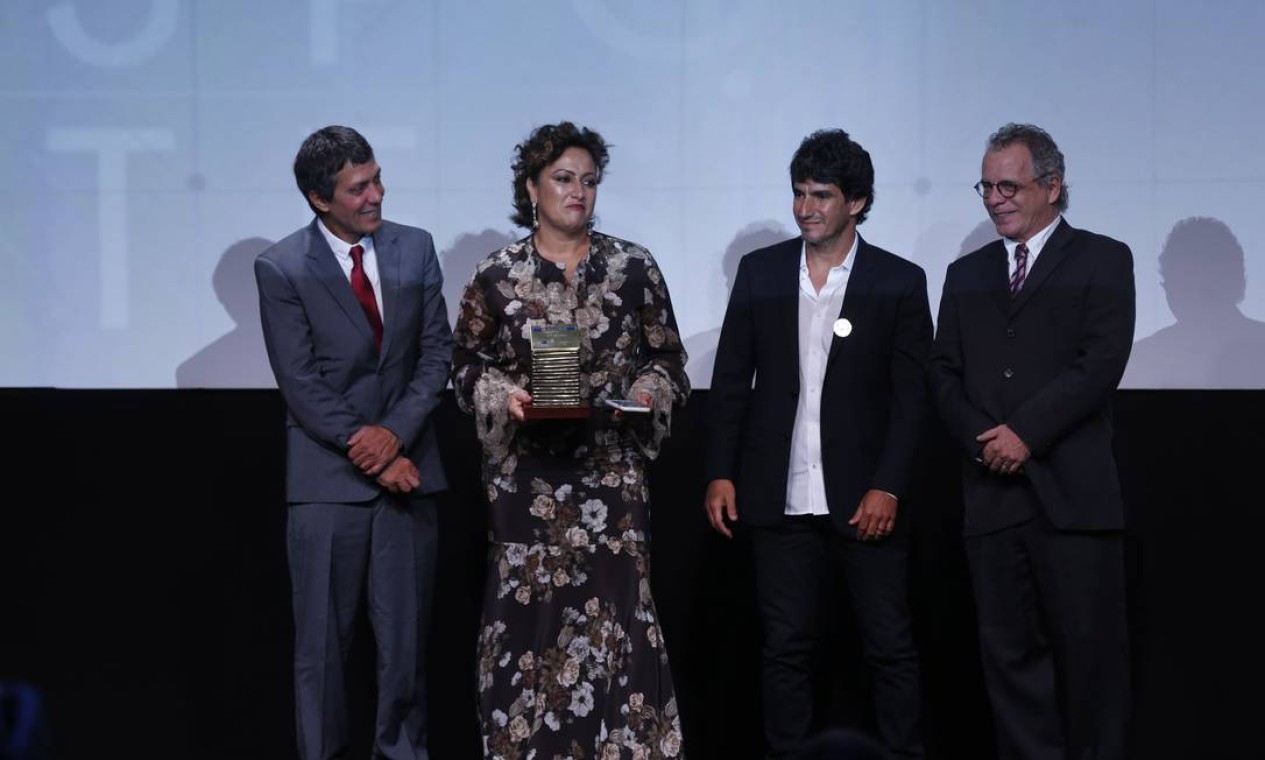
(1054, 190)
(317, 202)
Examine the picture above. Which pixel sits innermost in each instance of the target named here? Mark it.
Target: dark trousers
(1053, 639)
(379, 556)
(792, 563)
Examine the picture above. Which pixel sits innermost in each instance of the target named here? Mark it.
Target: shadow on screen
(459, 261)
(238, 358)
(1212, 344)
(701, 347)
(983, 234)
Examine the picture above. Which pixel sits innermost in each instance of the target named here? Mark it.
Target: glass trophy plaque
(555, 374)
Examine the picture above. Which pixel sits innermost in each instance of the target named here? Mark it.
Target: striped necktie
(1021, 269)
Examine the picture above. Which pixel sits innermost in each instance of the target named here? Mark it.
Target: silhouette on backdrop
(701, 347)
(238, 358)
(983, 234)
(1212, 344)
(458, 263)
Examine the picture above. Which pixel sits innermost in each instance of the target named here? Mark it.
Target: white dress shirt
(1035, 244)
(368, 259)
(805, 484)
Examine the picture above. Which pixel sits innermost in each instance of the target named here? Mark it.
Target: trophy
(555, 374)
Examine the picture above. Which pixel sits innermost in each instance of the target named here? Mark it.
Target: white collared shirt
(1035, 244)
(805, 484)
(368, 259)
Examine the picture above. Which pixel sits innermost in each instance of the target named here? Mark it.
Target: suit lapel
(325, 267)
(786, 288)
(860, 281)
(996, 274)
(386, 248)
(1052, 254)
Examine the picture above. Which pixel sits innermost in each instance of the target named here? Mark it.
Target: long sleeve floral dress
(572, 663)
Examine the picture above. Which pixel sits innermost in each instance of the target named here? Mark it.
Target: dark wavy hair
(323, 155)
(1047, 159)
(544, 146)
(830, 157)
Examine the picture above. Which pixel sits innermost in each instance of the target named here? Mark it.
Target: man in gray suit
(359, 342)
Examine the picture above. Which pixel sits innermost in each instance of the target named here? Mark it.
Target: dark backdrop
(145, 591)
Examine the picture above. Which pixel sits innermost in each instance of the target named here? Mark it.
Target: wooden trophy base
(531, 412)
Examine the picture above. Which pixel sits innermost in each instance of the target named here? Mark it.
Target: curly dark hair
(544, 146)
(830, 156)
(323, 155)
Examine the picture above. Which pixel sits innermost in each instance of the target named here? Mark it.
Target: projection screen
(147, 149)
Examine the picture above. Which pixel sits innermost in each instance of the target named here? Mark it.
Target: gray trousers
(342, 556)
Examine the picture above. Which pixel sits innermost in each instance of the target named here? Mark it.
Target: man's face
(823, 213)
(356, 208)
(1032, 207)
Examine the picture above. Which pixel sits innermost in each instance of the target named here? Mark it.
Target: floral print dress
(572, 663)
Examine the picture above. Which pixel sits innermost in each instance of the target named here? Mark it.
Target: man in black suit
(1033, 336)
(835, 333)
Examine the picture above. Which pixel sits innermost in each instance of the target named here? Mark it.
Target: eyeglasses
(1005, 187)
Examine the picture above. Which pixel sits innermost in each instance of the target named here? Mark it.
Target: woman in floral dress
(572, 662)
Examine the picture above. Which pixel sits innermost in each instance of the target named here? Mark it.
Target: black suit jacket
(1045, 363)
(874, 399)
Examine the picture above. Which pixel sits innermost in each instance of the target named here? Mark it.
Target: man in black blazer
(358, 337)
(1033, 336)
(816, 454)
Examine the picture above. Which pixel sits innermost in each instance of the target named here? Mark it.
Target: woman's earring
(535, 223)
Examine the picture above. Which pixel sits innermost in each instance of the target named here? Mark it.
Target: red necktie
(364, 293)
(1021, 269)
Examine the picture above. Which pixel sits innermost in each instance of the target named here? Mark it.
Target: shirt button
(1009, 373)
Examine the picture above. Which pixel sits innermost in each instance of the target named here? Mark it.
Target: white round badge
(843, 328)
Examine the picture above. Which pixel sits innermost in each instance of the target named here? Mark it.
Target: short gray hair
(1047, 159)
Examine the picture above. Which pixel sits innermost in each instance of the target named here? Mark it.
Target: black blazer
(874, 399)
(1046, 364)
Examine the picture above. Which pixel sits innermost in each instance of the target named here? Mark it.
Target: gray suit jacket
(330, 373)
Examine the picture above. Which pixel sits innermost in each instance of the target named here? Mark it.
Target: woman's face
(566, 193)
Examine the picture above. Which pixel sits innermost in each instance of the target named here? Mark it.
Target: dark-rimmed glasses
(1005, 187)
